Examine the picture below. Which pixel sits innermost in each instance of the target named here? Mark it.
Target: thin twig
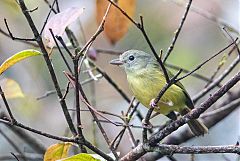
(49, 65)
(64, 46)
(140, 26)
(208, 16)
(51, 92)
(60, 51)
(156, 100)
(46, 19)
(217, 81)
(16, 38)
(154, 139)
(17, 157)
(64, 139)
(178, 31)
(24, 42)
(203, 63)
(7, 106)
(36, 145)
(75, 45)
(221, 109)
(77, 102)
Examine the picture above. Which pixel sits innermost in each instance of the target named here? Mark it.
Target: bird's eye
(131, 58)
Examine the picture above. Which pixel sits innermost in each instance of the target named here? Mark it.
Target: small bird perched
(146, 79)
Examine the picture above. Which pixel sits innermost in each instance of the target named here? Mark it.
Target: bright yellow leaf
(18, 57)
(57, 151)
(80, 157)
(116, 25)
(11, 88)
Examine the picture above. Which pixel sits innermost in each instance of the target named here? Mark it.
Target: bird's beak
(116, 62)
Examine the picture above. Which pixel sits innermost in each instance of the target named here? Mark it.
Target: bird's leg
(153, 104)
(148, 124)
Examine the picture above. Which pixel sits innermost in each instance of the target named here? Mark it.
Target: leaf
(223, 60)
(11, 88)
(116, 25)
(18, 57)
(80, 157)
(102, 159)
(11, 5)
(58, 23)
(57, 151)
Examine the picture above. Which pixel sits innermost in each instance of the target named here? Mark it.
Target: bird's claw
(153, 104)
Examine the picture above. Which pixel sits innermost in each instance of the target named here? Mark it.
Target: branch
(172, 149)
(7, 106)
(16, 38)
(49, 65)
(178, 31)
(217, 81)
(64, 139)
(232, 103)
(208, 16)
(29, 139)
(194, 114)
(77, 104)
(156, 100)
(140, 26)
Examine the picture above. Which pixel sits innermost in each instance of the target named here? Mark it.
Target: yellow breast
(146, 84)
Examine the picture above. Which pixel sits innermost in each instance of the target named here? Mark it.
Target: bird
(146, 78)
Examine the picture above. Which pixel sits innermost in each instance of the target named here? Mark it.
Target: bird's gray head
(134, 60)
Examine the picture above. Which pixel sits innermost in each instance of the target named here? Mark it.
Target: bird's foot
(153, 104)
(146, 125)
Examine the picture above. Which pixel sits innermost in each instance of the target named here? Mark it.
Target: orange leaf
(116, 25)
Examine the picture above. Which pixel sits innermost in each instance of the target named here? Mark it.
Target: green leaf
(18, 57)
(57, 151)
(80, 157)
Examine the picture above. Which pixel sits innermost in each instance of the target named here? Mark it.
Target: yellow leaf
(223, 60)
(80, 157)
(116, 25)
(57, 151)
(11, 88)
(11, 5)
(17, 57)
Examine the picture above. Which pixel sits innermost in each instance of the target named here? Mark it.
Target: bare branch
(194, 114)
(49, 65)
(172, 149)
(178, 31)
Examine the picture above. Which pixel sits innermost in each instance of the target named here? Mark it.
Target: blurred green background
(199, 39)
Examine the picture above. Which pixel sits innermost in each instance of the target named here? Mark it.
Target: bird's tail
(197, 127)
